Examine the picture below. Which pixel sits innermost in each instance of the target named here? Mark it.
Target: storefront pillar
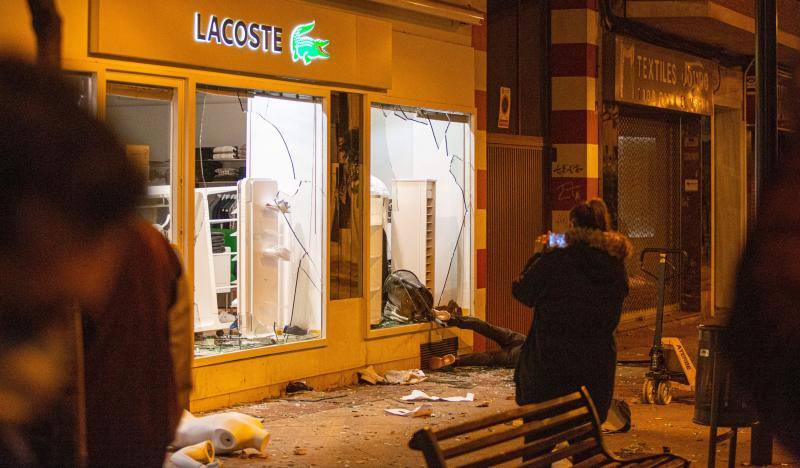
(574, 49)
(479, 36)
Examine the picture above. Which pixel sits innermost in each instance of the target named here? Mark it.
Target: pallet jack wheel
(663, 394)
(649, 391)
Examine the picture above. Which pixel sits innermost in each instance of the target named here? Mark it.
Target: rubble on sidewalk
(405, 377)
(425, 409)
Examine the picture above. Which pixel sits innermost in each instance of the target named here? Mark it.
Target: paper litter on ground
(425, 409)
(405, 377)
(419, 395)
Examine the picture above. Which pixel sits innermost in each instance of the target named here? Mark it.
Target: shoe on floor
(437, 362)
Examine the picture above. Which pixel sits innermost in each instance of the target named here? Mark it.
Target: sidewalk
(348, 427)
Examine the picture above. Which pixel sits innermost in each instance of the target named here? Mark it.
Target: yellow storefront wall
(430, 67)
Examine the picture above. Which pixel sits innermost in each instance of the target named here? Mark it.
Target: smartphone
(556, 240)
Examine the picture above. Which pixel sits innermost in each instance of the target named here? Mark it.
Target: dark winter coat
(577, 293)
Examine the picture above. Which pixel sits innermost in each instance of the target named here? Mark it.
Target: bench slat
(499, 418)
(532, 447)
(574, 449)
(575, 415)
(601, 459)
(657, 461)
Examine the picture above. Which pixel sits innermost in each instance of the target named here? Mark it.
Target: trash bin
(733, 410)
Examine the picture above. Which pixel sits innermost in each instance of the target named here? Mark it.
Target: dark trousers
(510, 344)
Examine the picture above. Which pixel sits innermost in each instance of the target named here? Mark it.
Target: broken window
(420, 247)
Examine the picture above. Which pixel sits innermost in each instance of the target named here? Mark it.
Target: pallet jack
(670, 364)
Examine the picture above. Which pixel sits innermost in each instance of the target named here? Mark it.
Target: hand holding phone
(556, 240)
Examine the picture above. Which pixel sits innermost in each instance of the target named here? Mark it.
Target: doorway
(657, 186)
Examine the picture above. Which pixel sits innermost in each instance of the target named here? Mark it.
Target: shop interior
(142, 117)
(259, 207)
(420, 204)
(259, 220)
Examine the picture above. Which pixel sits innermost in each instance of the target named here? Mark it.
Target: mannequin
(195, 456)
(228, 432)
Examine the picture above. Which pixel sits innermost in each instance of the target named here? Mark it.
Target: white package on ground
(228, 432)
(405, 377)
(425, 409)
(419, 395)
(194, 456)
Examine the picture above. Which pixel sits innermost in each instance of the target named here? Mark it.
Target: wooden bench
(545, 427)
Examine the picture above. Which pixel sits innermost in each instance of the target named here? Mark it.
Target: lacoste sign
(294, 40)
(260, 37)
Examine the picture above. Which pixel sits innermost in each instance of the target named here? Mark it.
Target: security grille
(515, 202)
(648, 208)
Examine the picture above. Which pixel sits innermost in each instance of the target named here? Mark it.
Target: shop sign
(285, 38)
(260, 37)
(653, 76)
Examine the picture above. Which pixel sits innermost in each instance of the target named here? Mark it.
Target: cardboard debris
(405, 377)
(369, 375)
(419, 395)
(425, 409)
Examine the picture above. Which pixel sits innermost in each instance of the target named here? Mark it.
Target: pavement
(349, 426)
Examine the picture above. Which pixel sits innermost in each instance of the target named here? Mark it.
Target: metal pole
(767, 97)
(766, 153)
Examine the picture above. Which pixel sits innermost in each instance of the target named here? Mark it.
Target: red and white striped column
(574, 38)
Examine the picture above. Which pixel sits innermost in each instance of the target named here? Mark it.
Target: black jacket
(577, 293)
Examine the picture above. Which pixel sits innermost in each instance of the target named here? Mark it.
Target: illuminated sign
(280, 39)
(654, 76)
(255, 36)
(238, 33)
(307, 48)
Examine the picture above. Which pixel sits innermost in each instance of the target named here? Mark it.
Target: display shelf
(216, 183)
(413, 228)
(221, 160)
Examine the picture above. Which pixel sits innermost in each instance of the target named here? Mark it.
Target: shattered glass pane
(259, 219)
(421, 203)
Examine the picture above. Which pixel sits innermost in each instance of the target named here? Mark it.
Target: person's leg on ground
(502, 336)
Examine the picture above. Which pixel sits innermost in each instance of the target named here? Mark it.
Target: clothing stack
(223, 207)
(225, 152)
(226, 173)
(218, 242)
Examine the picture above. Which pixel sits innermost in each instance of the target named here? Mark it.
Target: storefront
(658, 171)
(299, 156)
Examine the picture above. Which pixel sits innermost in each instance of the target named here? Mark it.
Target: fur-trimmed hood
(610, 242)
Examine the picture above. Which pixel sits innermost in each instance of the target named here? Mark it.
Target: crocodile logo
(307, 48)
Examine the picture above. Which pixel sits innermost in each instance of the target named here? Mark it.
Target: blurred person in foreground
(764, 339)
(67, 191)
(138, 355)
(577, 293)
(73, 242)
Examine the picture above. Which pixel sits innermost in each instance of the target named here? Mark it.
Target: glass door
(143, 113)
